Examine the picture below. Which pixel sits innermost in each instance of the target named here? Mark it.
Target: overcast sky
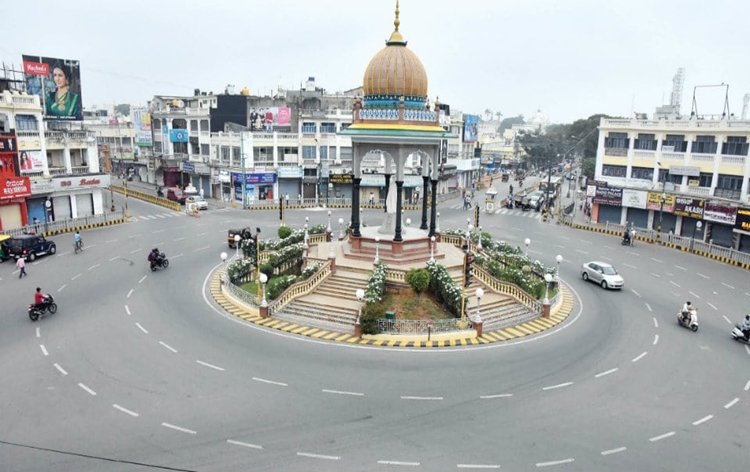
(571, 59)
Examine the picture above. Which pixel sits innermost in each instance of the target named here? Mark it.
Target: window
(264, 154)
(642, 173)
(665, 176)
(193, 125)
(346, 154)
(735, 146)
(225, 153)
(180, 148)
(617, 140)
(323, 153)
(704, 145)
(646, 142)
(704, 180)
(26, 123)
(205, 150)
(157, 125)
(345, 125)
(157, 146)
(728, 186)
(308, 152)
(287, 154)
(332, 153)
(613, 171)
(308, 127)
(328, 127)
(676, 141)
(237, 153)
(204, 125)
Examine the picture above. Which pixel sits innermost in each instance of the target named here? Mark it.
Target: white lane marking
(607, 258)
(582, 252)
(408, 464)
(681, 268)
(125, 410)
(702, 420)
(201, 248)
(127, 310)
(657, 260)
(114, 258)
(675, 283)
(691, 293)
(420, 398)
(656, 323)
(712, 306)
(211, 366)
(731, 404)
(142, 279)
(93, 267)
(318, 456)
(178, 428)
(61, 288)
(636, 293)
(634, 254)
(201, 234)
(75, 277)
(701, 275)
(179, 239)
(656, 275)
(628, 265)
(141, 328)
(44, 350)
(136, 250)
(662, 436)
(640, 356)
(244, 444)
(157, 231)
(130, 293)
(656, 339)
(748, 294)
(670, 274)
(60, 369)
(280, 384)
(550, 463)
(728, 320)
(341, 392)
(88, 390)
(500, 395)
(747, 386)
(649, 307)
(111, 241)
(168, 346)
(585, 242)
(747, 348)
(38, 332)
(614, 451)
(477, 466)
(602, 374)
(552, 387)
(727, 285)
(178, 255)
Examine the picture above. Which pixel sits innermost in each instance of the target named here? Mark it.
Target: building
(688, 176)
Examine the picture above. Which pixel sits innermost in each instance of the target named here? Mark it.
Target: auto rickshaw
(245, 233)
(4, 247)
(505, 176)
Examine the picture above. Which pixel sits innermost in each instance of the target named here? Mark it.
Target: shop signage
(691, 171)
(267, 178)
(67, 183)
(633, 198)
(372, 180)
(340, 178)
(691, 207)
(653, 202)
(743, 219)
(608, 196)
(15, 187)
(720, 213)
(290, 172)
(39, 186)
(188, 167)
(201, 168)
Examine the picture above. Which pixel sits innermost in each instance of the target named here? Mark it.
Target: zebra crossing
(517, 212)
(172, 214)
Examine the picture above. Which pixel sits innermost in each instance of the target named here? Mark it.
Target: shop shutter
(10, 216)
(61, 208)
(84, 204)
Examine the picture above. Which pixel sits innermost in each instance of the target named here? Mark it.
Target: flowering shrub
(445, 289)
(277, 285)
(376, 283)
(296, 236)
(240, 270)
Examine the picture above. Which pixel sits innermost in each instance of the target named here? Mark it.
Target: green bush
(277, 285)
(376, 283)
(284, 232)
(371, 313)
(446, 290)
(418, 280)
(267, 268)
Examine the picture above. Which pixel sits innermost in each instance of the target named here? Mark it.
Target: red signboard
(15, 187)
(35, 68)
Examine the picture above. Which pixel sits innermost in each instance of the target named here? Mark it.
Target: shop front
(608, 202)
(13, 212)
(289, 181)
(742, 229)
(663, 212)
(258, 186)
(691, 212)
(635, 202)
(75, 197)
(39, 205)
(721, 219)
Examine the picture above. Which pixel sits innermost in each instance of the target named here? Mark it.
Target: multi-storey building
(60, 164)
(688, 176)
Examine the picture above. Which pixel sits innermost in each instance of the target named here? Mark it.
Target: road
(141, 371)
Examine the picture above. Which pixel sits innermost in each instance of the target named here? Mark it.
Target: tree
(588, 166)
(508, 123)
(123, 109)
(498, 115)
(488, 114)
(418, 280)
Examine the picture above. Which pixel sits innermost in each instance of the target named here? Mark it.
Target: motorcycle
(48, 305)
(738, 335)
(626, 242)
(691, 324)
(160, 262)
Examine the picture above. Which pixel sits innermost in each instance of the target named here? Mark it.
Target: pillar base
(545, 310)
(357, 330)
(478, 326)
(263, 311)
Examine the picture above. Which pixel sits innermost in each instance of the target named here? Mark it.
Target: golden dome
(395, 70)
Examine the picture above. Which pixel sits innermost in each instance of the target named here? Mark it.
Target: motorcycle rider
(687, 311)
(745, 327)
(153, 256)
(626, 237)
(77, 239)
(39, 299)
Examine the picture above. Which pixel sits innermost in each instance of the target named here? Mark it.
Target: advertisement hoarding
(608, 196)
(743, 219)
(14, 187)
(691, 207)
(471, 128)
(267, 119)
(30, 161)
(58, 84)
(142, 127)
(634, 198)
(653, 202)
(720, 213)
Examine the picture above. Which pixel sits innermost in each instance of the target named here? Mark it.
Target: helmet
(689, 303)
(747, 317)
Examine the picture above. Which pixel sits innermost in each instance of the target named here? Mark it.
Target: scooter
(683, 320)
(738, 335)
(48, 305)
(160, 262)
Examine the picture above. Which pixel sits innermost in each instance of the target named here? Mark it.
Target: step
(316, 323)
(325, 306)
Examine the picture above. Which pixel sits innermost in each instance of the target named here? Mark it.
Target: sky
(569, 59)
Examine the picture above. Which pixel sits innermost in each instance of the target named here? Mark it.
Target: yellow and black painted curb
(334, 206)
(47, 234)
(559, 314)
(163, 202)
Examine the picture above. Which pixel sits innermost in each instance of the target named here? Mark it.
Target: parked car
(533, 200)
(199, 202)
(175, 194)
(29, 246)
(603, 274)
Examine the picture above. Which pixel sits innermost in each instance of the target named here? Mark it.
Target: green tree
(508, 123)
(418, 280)
(588, 166)
(284, 232)
(123, 109)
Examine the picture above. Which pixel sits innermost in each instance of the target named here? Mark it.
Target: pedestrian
(21, 264)
(372, 198)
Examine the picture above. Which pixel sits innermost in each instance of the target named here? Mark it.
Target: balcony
(673, 156)
(642, 154)
(693, 190)
(700, 157)
(714, 124)
(57, 171)
(733, 160)
(79, 170)
(616, 152)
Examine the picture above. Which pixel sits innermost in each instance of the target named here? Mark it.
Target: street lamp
(377, 249)
(547, 279)
(329, 222)
(223, 256)
(559, 259)
(479, 293)
(237, 239)
(360, 296)
(341, 228)
(479, 238)
(432, 249)
(468, 237)
(305, 245)
(661, 205)
(437, 224)
(527, 241)
(263, 280)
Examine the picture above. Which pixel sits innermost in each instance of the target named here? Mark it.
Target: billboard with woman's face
(58, 84)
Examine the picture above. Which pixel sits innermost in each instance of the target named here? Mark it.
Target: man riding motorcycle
(687, 311)
(745, 327)
(155, 257)
(39, 298)
(626, 238)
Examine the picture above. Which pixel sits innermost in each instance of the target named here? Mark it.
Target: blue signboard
(178, 135)
(188, 167)
(265, 178)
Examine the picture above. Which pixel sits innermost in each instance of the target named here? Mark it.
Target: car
(199, 202)
(533, 200)
(29, 246)
(603, 274)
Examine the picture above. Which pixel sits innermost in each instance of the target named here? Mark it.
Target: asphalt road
(141, 371)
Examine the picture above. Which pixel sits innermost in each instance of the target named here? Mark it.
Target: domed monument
(394, 120)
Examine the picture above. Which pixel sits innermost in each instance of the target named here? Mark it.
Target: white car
(603, 274)
(198, 201)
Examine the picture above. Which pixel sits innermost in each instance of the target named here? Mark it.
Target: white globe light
(360, 294)
(223, 256)
(480, 293)
(548, 277)
(237, 238)
(263, 278)
(527, 241)
(559, 258)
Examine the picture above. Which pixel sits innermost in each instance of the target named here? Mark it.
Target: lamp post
(437, 223)
(432, 249)
(329, 222)
(223, 256)
(125, 186)
(305, 245)
(547, 279)
(237, 239)
(360, 297)
(477, 317)
(377, 249)
(468, 237)
(479, 238)
(661, 204)
(263, 281)
(341, 228)
(559, 259)
(527, 241)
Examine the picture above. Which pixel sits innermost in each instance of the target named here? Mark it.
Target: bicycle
(78, 246)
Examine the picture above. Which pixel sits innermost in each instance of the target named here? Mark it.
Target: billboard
(743, 219)
(690, 207)
(634, 198)
(142, 127)
(608, 196)
(720, 213)
(30, 161)
(58, 83)
(267, 119)
(471, 128)
(653, 202)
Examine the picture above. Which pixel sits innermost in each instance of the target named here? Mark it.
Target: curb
(56, 232)
(557, 316)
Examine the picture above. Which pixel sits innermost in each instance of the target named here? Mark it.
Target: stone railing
(299, 289)
(507, 288)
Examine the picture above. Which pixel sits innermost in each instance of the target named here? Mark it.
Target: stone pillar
(478, 326)
(545, 310)
(263, 311)
(387, 186)
(355, 207)
(433, 213)
(399, 198)
(425, 182)
(357, 330)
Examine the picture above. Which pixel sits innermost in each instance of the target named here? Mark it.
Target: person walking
(21, 264)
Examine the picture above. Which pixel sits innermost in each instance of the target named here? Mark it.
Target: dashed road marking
(675, 283)
(727, 319)
(136, 250)
(114, 258)
(93, 267)
(691, 293)
(210, 366)
(661, 436)
(712, 306)
(701, 275)
(61, 288)
(178, 428)
(551, 463)
(649, 307)
(318, 456)
(44, 350)
(602, 374)
(280, 384)
(656, 275)
(636, 293)
(628, 265)
(477, 466)
(657, 260)
(404, 397)
(341, 392)
(681, 268)
(75, 277)
(168, 346)
(127, 310)
(656, 323)
(614, 451)
(38, 332)
(87, 390)
(60, 369)
(407, 464)
(201, 248)
(702, 420)
(244, 444)
(130, 293)
(640, 356)
(552, 387)
(125, 410)
(142, 279)
(656, 339)
(178, 255)
(727, 285)
(731, 404)
(500, 395)
(141, 328)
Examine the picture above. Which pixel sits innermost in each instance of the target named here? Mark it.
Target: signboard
(590, 190)
(691, 207)
(15, 187)
(634, 198)
(266, 178)
(289, 172)
(8, 144)
(471, 128)
(142, 127)
(720, 213)
(267, 119)
(188, 167)
(178, 135)
(608, 196)
(41, 186)
(58, 83)
(690, 171)
(340, 178)
(75, 183)
(693, 182)
(743, 219)
(653, 202)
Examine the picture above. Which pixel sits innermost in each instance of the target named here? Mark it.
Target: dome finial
(396, 37)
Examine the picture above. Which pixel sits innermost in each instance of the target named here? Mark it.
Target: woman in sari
(62, 101)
